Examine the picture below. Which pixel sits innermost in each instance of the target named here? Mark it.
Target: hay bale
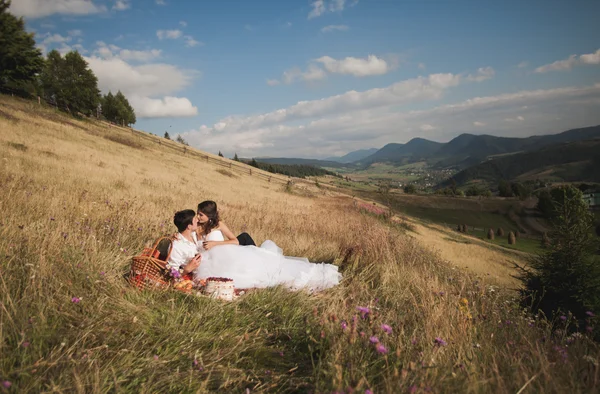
(500, 232)
(490, 234)
(511, 238)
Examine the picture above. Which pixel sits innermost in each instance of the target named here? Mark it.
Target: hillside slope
(582, 158)
(79, 199)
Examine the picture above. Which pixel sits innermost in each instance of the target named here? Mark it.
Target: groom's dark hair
(183, 219)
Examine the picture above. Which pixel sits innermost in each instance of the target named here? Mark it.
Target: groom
(185, 252)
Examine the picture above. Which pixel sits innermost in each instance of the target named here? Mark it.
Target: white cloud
(121, 5)
(55, 38)
(190, 42)
(41, 8)
(482, 74)
(112, 51)
(355, 120)
(313, 73)
(331, 28)
(149, 87)
(273, 82)
(518, 118)
(183, 23)
(421, 66)
(426, 127)
(570, 62)
(161, 2)
(523, 64)
(168, 34)
(168, 106)
(318, 9)
(358, 67)
(75, 33)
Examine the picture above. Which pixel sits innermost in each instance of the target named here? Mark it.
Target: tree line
(63, 81)
(295, 170)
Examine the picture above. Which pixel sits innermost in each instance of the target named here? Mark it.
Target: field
(79, 199)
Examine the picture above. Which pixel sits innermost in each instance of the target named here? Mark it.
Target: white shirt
(183, 250)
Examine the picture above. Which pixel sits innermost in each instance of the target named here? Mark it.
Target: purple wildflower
(344, 325)
(102, 273)
(386, 328)
(364, 311)
(175, 273)
(6, 384)
(367, 391)
(381, 349)
(414, 341)
(374, 339)
(25, 344)
(589, 329)
(75, 300)
(281, 354)
(155, 357)
(440, 342)
(195, 363)
(590, 314)
(52, 218)
(563, 318)
(139, 229)
(412, 389)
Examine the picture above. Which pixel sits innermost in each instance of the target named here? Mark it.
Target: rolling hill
(569, 161)
(468, 149)
(356, 155)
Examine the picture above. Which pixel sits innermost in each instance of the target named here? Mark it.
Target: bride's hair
(209, 208)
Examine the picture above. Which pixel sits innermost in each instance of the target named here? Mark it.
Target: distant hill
(468, 149)
(353, 156)
(297, 161)
(415, 149)
(568, 161)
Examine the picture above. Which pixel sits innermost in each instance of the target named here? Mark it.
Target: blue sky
(316, 78)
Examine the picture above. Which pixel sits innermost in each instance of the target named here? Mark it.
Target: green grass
(527, 245)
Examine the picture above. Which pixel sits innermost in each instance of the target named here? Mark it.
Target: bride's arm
(231, 239)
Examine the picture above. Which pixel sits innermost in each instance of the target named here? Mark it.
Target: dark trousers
(245, 239)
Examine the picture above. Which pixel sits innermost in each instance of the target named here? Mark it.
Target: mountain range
(462, 152)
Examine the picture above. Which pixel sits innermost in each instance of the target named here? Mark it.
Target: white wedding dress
(264, 266)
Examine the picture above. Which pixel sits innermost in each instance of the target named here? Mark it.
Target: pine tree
(254, 163)
(220, 154)
(567, 276)
(70, 83)
(235, 157)
(181, 140)
(167, 136)
(20, 60)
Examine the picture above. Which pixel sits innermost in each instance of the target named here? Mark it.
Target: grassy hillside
(80, 198)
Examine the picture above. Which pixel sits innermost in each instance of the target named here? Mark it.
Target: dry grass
(76, 206)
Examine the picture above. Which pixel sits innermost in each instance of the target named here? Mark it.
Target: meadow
(79, 199)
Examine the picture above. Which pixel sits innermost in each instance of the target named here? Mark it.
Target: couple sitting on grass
(205, 247)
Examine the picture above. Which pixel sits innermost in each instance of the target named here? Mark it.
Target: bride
(251, 266)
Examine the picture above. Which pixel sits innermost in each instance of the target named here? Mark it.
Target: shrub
(511, 238)
(465, 228)
(517, 234)
(410, 189)
(545, 240)
(500, 232)
(459, 228)
(490, 234)
(566, 278)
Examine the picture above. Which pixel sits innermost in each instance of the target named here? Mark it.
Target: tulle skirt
(265, 266)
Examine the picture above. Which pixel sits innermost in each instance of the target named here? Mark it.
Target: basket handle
(170, 238)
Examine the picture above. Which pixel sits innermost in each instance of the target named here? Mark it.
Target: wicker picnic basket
(148, 270)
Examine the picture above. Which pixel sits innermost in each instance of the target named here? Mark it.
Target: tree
(125, 113)
(254, 163)
(567, 276)
(70, 83)
(410, 189)
(181, 140)
(220, 154)
(167, 136)
(20, 60)
(235, 157)
(505, 189)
